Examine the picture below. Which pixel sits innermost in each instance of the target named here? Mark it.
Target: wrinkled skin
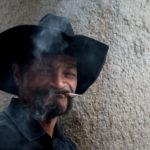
(43, 83)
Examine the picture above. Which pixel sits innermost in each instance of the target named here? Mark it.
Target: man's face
(43, 84)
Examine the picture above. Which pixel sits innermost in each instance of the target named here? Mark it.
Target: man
(43, 63)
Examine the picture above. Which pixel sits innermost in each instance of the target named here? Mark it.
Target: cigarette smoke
(48, 41)
(43, 107)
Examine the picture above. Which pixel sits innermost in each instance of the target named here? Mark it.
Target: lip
(60, 95)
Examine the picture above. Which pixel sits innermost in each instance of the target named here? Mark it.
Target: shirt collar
(29, 127)
(58, 134)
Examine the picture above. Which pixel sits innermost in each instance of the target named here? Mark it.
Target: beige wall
(114, 114)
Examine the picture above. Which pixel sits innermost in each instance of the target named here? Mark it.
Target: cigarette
(73, 95)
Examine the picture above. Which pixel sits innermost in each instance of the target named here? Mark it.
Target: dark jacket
(19, 131)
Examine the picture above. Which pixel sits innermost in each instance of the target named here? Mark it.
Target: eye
(70, 75)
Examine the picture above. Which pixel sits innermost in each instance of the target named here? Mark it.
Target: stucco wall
(114, 114)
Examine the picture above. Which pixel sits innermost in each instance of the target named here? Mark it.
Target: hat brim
(15, 46)
(90, 55)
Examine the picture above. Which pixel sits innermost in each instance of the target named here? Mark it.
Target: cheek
(73, 85)
(35, 81)
(29, 84)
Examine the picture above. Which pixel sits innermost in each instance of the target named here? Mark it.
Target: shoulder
(6, 124)
(3, 118)
(7, 127)
(9, 135)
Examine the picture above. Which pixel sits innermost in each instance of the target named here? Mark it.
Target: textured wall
(114, 114)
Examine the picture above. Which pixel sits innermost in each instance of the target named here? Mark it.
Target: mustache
(50, 91)
(38, 108)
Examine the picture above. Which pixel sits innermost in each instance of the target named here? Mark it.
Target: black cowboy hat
(53, 35)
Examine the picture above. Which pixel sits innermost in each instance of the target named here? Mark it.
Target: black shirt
(19, 131)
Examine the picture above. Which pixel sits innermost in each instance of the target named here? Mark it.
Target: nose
(58, 81)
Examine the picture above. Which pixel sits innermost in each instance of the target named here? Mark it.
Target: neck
(49, 126)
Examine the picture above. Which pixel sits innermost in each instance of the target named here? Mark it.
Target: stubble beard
(39, 111)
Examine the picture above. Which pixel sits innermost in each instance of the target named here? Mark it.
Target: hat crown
(58, 23)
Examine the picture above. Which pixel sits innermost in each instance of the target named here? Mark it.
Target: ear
(16, 74)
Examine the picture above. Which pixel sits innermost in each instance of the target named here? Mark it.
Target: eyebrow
(44, 64)
(72, 66)
(68, 65)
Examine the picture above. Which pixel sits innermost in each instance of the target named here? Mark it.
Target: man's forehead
(50, 59)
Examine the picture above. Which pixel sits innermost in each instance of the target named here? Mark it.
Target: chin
(51, 108)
